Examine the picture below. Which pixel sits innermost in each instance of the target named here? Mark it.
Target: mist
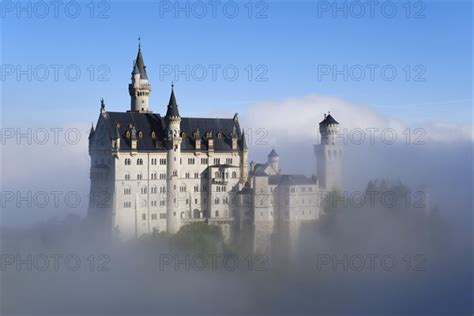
(90, 273)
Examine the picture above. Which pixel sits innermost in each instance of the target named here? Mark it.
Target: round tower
(173, 129)
(140, 88)
(329, 155)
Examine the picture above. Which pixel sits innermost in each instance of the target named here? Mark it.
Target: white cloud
(296, 119)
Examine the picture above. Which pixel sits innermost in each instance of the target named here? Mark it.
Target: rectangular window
(190, 161)
(163, 216)
(217, 161)
(228, 161)
(204, 161)
(163, 161)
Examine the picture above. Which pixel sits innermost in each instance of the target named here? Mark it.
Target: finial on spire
(172, 85)
(102, 103)
(139, 43)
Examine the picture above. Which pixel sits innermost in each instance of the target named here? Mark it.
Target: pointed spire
(92, 131)
(117, 131)
(273, 153)
(234, 132)
(172, 105)
(244, 143)
(139, 65)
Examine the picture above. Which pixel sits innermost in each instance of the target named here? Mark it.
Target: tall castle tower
(173, 214)
(329, 155)
(139, 89)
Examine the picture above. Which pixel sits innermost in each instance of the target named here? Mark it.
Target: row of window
(163, 215)
(154, 203)
(187, 175)
(191, 161)
(222, 175)
(303, 189)
(154, 216)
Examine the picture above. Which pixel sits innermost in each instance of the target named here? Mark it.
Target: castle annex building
(157, 173)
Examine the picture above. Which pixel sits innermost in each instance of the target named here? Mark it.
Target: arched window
(234, 175)
(139, 161)
(217, 174)
(217, 213)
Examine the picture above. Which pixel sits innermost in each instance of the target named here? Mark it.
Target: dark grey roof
(223, 166)
(259, 169)
(291, 179)
(328, 120)
(139, 66)
(147, 123)
(172, 105)
(273, 153)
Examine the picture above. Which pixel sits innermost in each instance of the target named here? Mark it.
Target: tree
(199, 238)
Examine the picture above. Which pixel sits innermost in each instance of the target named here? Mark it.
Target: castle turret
(139, 89)
(244, 162)
(329, 155)
(273, 160)
(173, 120)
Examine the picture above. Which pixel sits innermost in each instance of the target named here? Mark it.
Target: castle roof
(152, 135)
(172, 105)
(139, 66)
(273, 153)
(291, 179)
(328, 119)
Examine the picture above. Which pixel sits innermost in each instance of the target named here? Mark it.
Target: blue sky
(282, 43)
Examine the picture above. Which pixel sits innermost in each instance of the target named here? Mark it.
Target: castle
(157, 173)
